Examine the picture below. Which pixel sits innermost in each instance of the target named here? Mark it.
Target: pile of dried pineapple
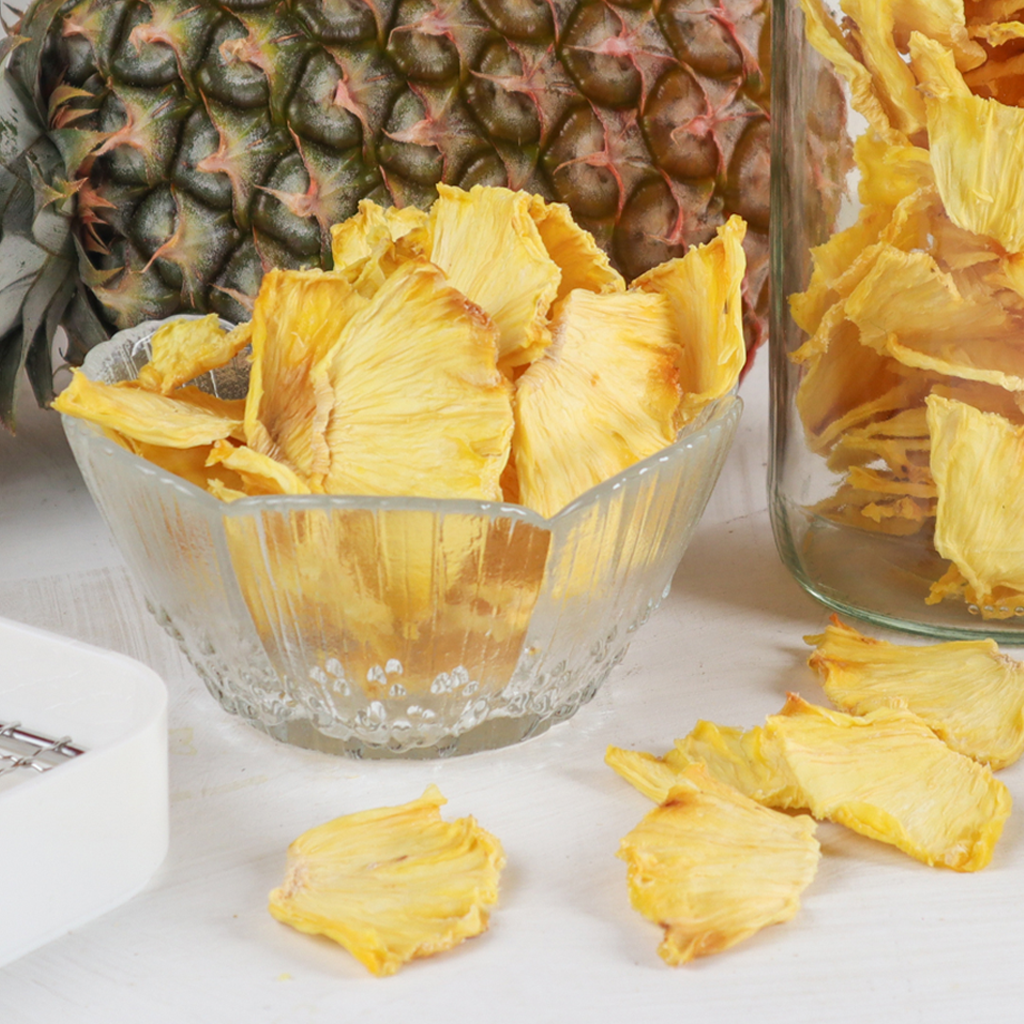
(907, 760)
(485, 349)
(913, 383)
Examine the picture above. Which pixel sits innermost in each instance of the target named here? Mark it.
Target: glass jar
(897, 333)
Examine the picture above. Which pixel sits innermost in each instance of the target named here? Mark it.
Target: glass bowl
(397, 627)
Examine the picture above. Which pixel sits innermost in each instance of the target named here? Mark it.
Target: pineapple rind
(713, 867)
(967, 692)
(392, 884)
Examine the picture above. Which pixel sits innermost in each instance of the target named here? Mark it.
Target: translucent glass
(398, 626)
(853, 498)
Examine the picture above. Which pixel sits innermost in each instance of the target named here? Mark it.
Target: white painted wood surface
(879, 937)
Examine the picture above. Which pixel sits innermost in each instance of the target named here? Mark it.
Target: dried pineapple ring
(486, 242)
(184, 349)
(888, 776)
(968, 693)
(392, 884)
(977, 461)
(602, 397)
(412, 397)
(259, 473)
(713, 867)
(144, 415)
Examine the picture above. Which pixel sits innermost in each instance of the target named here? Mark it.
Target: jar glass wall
(897, 334)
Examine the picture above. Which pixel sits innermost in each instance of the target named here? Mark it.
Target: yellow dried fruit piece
(190, 464)
(144, 415)
(999, 603)
(879, 513)
(968, 693)
(825, 36)
(371, 229)
(746, 760)
(297, 318)
(413, 402)
(392, 884)
(187, 348)
(392, 595)
(886, 775)
(910, 309)
(704, 292)
(487, 243)
(583, 264)
(977, 150)
(712, 867)
(259, 473)
(850, 386)
(603, 396)
(977, 460)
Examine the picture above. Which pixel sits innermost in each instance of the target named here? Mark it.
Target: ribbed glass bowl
(403, 627)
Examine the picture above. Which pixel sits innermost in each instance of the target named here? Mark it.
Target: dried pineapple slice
(999, 603)
(603, 396)
(745, 760)
(297, 318)
(366, 233)
(977, 150)
(488, 244)
(825, 36)
(977, 460)
(886, 775)
(703, 289)
(869, 510)
(910, 309)
(190, 464)
(392, 884)
(259, 473)
(144, 415)
(968, 693)
(582, 262)
(187, 348)
(390, 603)
(413, 400)
(713, 867)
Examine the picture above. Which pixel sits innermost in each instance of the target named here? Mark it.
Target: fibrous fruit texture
(176, 151)
(713, 867)
(968, 692)
(884, 774)
(392, 884)
(912, 378)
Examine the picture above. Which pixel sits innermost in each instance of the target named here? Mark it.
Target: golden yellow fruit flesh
(968, 693)
(712, 867)
(392, 884)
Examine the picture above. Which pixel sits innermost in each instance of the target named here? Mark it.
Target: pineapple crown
(43, 272)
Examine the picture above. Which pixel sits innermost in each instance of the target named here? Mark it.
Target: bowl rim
(711, 420)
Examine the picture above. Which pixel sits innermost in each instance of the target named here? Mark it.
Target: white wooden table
(879, 937)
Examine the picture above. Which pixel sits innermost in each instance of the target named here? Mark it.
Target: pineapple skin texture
(218, 140)
(392, 884)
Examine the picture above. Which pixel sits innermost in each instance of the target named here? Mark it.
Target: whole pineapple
(160, 155)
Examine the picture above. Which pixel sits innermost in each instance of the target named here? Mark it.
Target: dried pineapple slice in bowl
(368, 531)
(396, 626)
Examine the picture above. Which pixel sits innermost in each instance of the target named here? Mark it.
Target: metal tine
(20, 748)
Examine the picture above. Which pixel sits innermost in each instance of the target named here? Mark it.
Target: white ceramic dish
(83, 837)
